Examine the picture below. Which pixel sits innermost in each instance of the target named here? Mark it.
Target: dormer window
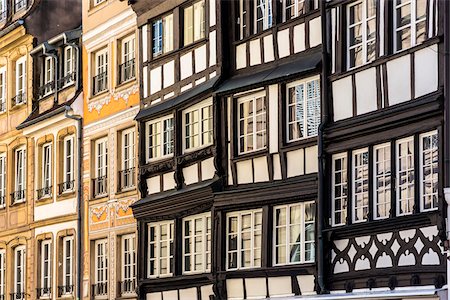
(3, 10)
(19, 4)
(48, 77)
(69, 66)
(194, 22)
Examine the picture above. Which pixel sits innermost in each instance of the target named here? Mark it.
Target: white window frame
(163, 36)
(365, 194)
(68, 159)
(412, 24)
(20, 166)
(198, 132)
(197, 20)
(69, 63)
(306, 102)
(101, 169)
(302, 223)
(3, 9)
(3, 88)
(343, 185)
(98, 2)
(21, 64)
(131, 238)
(46, 181)
(103, 271)
(48, 260)
(267, 18)
(101, 68)
(128, 152)
(131, 54)
(295, 7)
(397, 181)
(253, 249)
(68, 254)
(386, 175)
(48, 70)
(20, 264)
(19, 8)
(2, 272)
(161, 136)
(421, 172)
(3, 180)
(157, 242)
(254, 116)
(205, 236)
(364, 42)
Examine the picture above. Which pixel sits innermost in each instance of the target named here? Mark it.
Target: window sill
(165, 56)
(98, 95)
(251, 154)
(123, 84)
(126, 190)
(17, 203)
(300, 143)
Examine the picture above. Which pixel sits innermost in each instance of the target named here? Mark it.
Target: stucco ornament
(125, 94)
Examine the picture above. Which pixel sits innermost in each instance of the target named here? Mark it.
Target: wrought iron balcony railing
(18, 196)
(2, 106)
(3, 15)
(44, 192)
(20, 4)
(45, 292)
(100, 83)
(65, 290)
(127, 287)
(67, 186)
(66, 80)
(100, 186)
(127, 70)
(126, 179)
(46, 89)
(18, 296)
(100, 289)
(19, 99)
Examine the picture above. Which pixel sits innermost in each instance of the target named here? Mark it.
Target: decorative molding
(125, 94)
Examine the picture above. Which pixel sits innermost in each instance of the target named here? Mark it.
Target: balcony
(18, 196)
(20, 4)
(64, 290)
(127, 71)
(100, 83)
(100, 187)
(66, 187)
(127, 287)
(46, 89)
(99, 289)
(44, 293)
(19, 99)
(126, 179)
(18, 296)
(44, 192)
(66, 80)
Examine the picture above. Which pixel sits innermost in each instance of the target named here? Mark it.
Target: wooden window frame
(365, 194)
(429, 134)
(157, 241)
(344, 186)
(198, 108)
(387, 175)
(408, 170)
(161, 138)
(205, 235)
(104, 270)
(22, 250)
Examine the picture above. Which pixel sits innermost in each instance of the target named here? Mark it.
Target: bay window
(160, 138)
(410, 21)
(244, 237)
(160, 249)
(162, 35)
(429, 171)
(194, 22)
(339, 189)
(382, 181)
(197, 244)
(360, 185)
(198, 126)
(252, 123)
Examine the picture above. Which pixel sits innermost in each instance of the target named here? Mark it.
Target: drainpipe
(80, 205)
(321, 153)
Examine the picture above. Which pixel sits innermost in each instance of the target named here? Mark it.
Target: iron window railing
(65, 290)
(100, 185)
(67, 186)
(127, 287)
(2, 106)
(18, 5)
(45, 191)
(19, 99)
(127, 70)
(100, 289)
(3, 15)
(46, 89)
(18, 296)
(100, 83)
(66, 80)
(2, 201)
(126, 179)
(44, 292)
(18, 196)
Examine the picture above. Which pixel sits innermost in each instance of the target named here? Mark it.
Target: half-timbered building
(385, 147)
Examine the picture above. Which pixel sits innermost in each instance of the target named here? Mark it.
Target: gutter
(80, 206)
(321, 153)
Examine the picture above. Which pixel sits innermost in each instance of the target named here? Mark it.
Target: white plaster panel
(244, 171)
(155, 80)
(255, 288)
(200, 59)
(154, 296)
(145, 81)
(235, 289)
(268, 48)
(169, 95)
(169, 73)
(212, 74)
(295, 163)
(399, 83)
(206, 291)
(299, 38)
(276, 167)
(306, 283)
(170, 295)
(144, 43)
(208, 169)
(280, 286)
(55, 228)
(283, 43)
(186, 65)
(315, 32)
(168, 181)
(342, 98)
(190, 174)
(188, 294)
(54, 209)
(311, 160)
(426, 71)
(212, 12)
(241, 56)
(212, 48)
(201, 80)
(154, 184)
(273, 118)
(366, 91)
(255, 52)
(186, 87)
(261, 169)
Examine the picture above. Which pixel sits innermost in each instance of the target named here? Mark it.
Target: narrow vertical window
(198, 126)
(101, 167)
(194, 22)
(405, 176)
(68, 166)
(3, 14)
(127, 69)
(127, 172)
(197, 244)
(19, 272)
(69, 67)
(263, 15)
(3, 88)
(46, 166)
(163, 35)
(252, 123)
(410, 21)
(382, 181)
(67, 265)
(360, 185)
(19, 193)
(293, 9)
(361, 33)
(429, 170)
(47, 86)
(46, 267)
(101, 268)
(2, 272)
(242, 18)
(100, 82)
(128, 283)
(21, 86)
(160, 249)
(339, 189)
(2, 180)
